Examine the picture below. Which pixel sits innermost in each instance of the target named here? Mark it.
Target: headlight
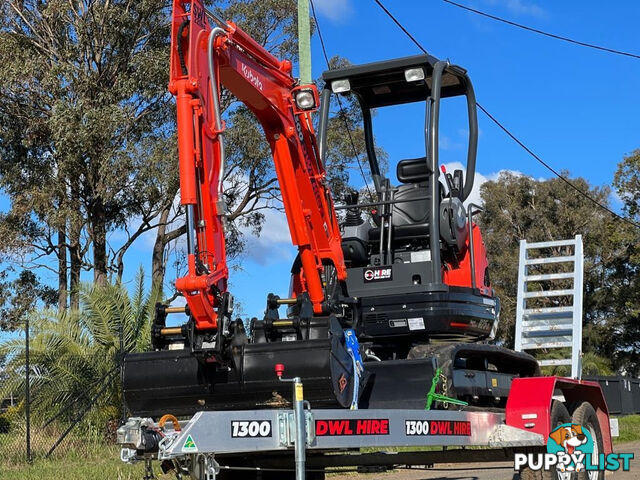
(305, 99)
(340, 86)
(414, 74)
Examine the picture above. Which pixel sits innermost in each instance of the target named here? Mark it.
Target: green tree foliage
(84, 115)
(627, 328)
(87, 134)
(20, 296)
(74, 354)
(519, 207)
(627, 182)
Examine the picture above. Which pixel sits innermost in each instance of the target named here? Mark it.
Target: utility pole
(304, 42)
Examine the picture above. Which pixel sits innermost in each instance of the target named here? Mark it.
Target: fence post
(123, 418)
(27, 387)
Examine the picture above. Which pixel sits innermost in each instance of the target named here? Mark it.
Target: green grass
(102, 464)
(629, 429)
(12, 444)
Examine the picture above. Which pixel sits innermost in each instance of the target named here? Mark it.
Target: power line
(342, 112)
(513, 137)
(397, 22)
(541, 32)
(551, 169)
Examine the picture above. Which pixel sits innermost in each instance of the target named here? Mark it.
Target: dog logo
(571, 450)
(570, 442)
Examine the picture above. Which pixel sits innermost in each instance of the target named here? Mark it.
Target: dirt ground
(483, 471)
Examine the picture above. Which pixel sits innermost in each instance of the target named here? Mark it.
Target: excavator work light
(414, 74)
(305, 99)
(340, 86)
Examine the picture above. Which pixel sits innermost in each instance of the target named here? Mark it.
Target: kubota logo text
(252, 77)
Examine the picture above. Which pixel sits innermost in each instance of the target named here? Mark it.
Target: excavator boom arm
(204, 58)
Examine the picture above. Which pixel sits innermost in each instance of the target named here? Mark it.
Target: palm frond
(73, 352)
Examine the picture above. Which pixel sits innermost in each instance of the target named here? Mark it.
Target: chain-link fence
(37, 422)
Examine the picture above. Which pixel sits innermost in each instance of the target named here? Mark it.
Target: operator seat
(410, 216)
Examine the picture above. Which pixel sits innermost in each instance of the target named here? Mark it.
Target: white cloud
(179, 301)
(274, 242)
(335, 10)
(446, 143)
(479, 180)
(615, 199)
(520, 8)
(464, 133)
(119, 237)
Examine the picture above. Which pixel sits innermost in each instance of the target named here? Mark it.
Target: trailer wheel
(586, 416)
(558, 415)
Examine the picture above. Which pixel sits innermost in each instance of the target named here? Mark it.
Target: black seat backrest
(413, 170)
(410, 218)
(411, 208)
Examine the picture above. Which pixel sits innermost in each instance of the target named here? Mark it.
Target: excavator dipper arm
(204, 58)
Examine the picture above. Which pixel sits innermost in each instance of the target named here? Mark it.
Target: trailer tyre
(558, 415)
(586, 416)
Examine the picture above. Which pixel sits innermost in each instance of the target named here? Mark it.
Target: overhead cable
(542, 32)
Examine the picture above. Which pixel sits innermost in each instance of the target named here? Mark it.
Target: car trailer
(212, 444)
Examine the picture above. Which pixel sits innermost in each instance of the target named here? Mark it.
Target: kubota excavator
(380, 303)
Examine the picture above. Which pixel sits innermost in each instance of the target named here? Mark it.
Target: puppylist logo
(570, 448)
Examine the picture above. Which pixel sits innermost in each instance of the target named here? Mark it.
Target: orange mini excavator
(380, 302)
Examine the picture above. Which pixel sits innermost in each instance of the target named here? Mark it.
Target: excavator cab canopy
(393, 82)
(419, 78)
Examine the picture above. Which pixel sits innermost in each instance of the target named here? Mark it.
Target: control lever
(448, 212)
(449, 180)
(458, 183)
(351, 198)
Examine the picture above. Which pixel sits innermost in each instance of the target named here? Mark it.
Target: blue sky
(575, 107)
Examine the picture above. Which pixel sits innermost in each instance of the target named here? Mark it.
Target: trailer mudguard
(529, 403)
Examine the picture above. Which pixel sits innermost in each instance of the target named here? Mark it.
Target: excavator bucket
(180, 383)
(175, 381)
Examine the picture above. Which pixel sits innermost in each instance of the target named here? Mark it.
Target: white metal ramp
(549, 317)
